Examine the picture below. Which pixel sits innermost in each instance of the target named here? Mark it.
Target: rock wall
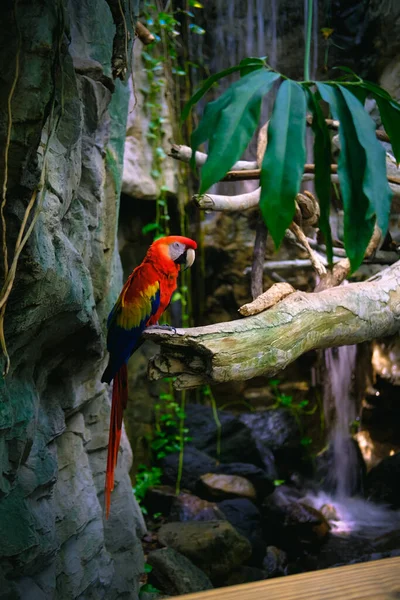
(54, 411)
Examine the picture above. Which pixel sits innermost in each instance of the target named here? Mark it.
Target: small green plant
(168, 431)
(298, 409)
(148, 587)
(146, 478)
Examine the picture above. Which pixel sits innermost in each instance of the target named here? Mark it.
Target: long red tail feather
(119, 402)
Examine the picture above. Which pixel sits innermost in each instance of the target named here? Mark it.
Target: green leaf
(283, 163)
(306, 441)
(375, 184)
(322, 158)
(358, 223)
(235, 125)
(375, 89)
(347, 70)
(390, 115)
(249, 63)
(150, 227)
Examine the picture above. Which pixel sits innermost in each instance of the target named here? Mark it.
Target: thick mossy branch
(266, 343)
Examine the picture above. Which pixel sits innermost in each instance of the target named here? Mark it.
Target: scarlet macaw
(142, 301)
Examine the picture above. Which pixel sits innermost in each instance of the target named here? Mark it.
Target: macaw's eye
(176, 245)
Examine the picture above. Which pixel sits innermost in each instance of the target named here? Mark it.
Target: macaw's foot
(164, 327)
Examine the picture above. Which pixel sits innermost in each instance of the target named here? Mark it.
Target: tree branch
(184, 153)
(266, 343)
(331, 124)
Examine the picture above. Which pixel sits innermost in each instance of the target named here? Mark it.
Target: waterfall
(340, 412)
(347, 515)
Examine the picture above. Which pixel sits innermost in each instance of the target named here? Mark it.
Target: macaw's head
(176, 248)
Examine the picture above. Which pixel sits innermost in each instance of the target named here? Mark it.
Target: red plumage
(142, 301)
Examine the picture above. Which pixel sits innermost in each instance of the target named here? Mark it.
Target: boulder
(213, 546)
(197, 463)
(245, 517)
(220, 486)
(187, 507)
(159, 499)
(275, 562)
(236, 445)
(291, 524)
(275, 433)
(175, 574)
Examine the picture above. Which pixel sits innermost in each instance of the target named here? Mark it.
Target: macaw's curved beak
(190, 256)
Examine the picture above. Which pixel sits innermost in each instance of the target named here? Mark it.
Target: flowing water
(348, 515)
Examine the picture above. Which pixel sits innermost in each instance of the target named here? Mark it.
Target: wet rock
(292, 524)
(159, 499)
(220, 486)
(213, 546)
(275, 562)
(383, 481)
(175, 574)
(275, 431)
(261, 480)
(187, 507)
(237, 444)
(245, 517)
(197, 463)
(338, 551)
(244, 574)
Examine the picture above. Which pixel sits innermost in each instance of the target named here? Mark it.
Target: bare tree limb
(342, 268)
(184, 153)
(144, 34)
(266, 343)
(316, 262)
(228, 203)
(331, 124)
(272, 296)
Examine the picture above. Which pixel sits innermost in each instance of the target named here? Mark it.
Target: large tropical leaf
(284, 159)
(322, 158)
(358, 222)
(375, 184)
(234, 125)
(245, 66)
(390, 115)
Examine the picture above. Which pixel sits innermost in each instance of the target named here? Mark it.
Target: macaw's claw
(164, 327)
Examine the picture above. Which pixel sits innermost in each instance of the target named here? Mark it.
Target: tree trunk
(266, 343)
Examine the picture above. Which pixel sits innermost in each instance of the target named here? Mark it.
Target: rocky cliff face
(53, 410)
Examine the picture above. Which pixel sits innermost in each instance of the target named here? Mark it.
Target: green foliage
(148, 588)
(230, 121)
(169, 433)
(234, 125)
(298, 409)
(283, 163)
(146, 478)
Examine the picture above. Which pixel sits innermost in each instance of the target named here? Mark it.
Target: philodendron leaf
(245, 66)
(375, 184)
(358, 222)
(235, 125)
(283, 163)
(322, 158)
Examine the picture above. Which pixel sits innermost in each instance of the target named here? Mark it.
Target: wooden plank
(376, 580)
